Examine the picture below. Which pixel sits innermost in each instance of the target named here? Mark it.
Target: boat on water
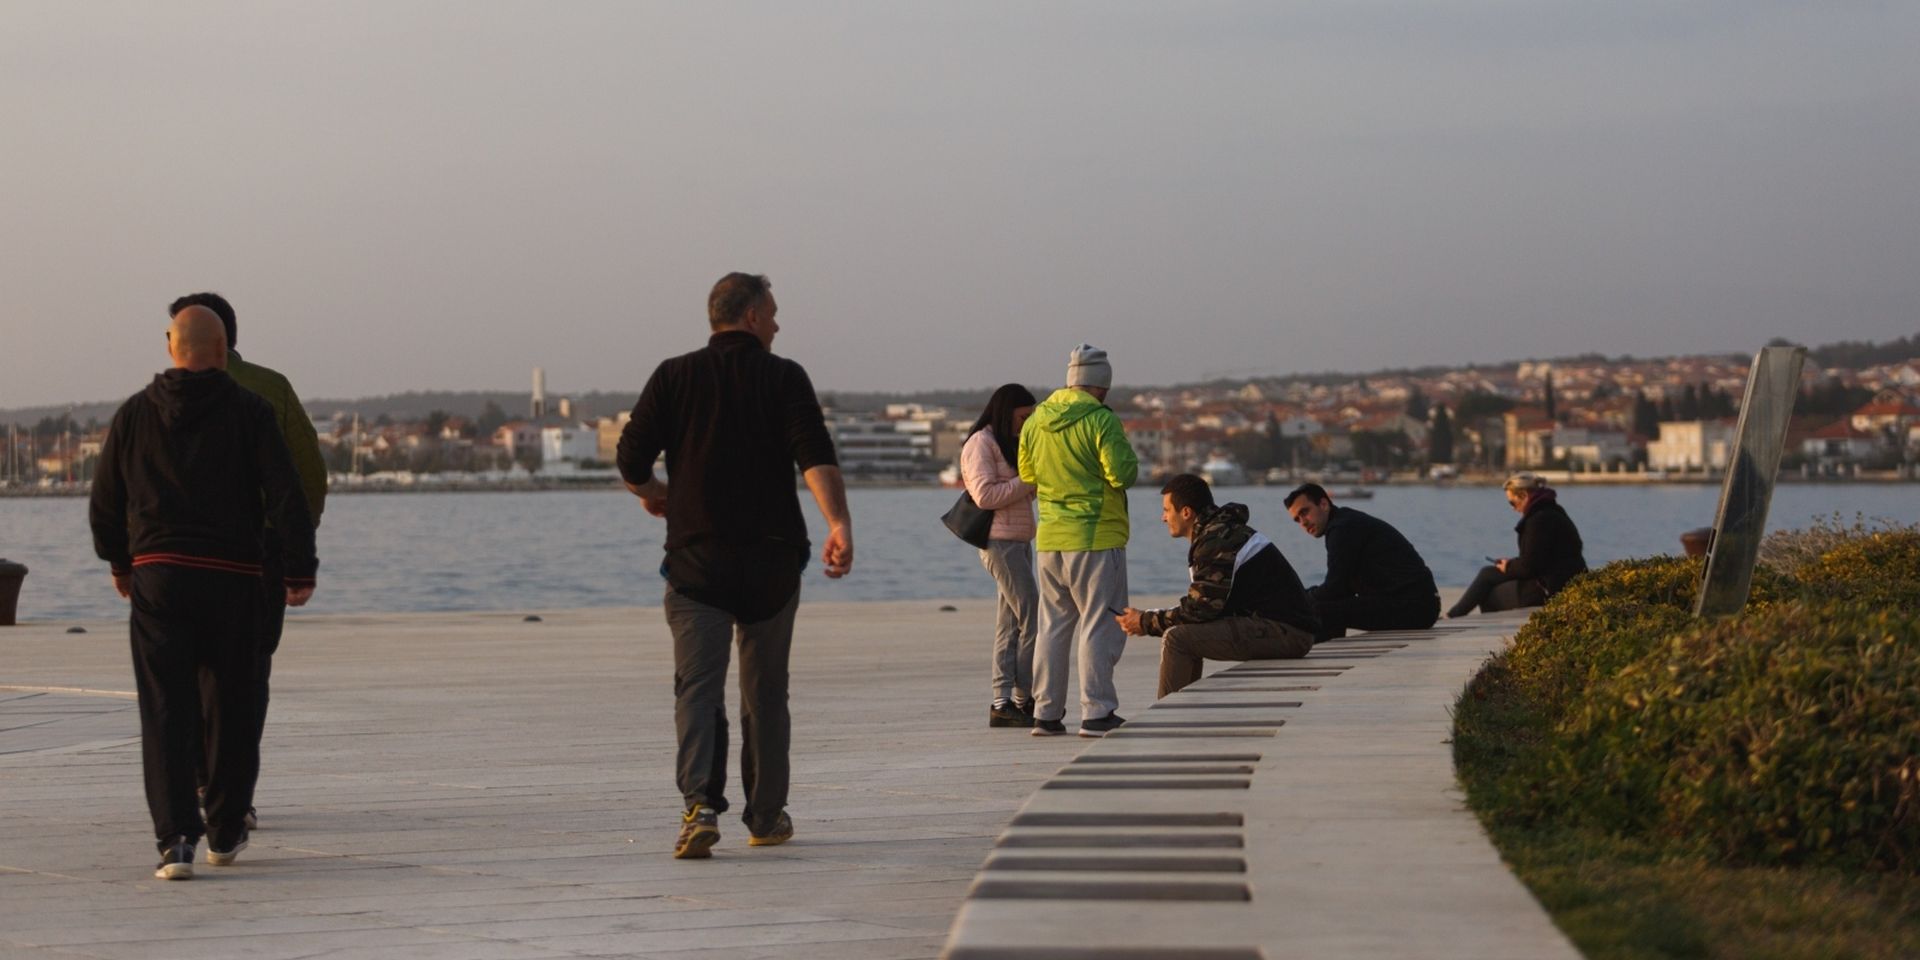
(950, 477)
(1352, 493)
(1220, 471)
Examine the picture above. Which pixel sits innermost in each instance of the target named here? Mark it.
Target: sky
(404, 195)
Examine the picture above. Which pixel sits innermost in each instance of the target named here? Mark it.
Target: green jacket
(295, 427)
(1074, 451)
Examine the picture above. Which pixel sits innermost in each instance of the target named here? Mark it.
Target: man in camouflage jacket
(1245, 601)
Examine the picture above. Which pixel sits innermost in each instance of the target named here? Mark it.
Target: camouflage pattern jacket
(1236, 572)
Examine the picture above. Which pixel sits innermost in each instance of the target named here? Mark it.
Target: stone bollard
(1696, 541)
(10, 576)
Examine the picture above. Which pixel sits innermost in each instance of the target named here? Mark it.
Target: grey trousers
(1011, 563)
(702, 642)
(1185, 648)
(1080, 591)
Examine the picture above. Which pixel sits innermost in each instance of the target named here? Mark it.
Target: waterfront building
(1691, 445)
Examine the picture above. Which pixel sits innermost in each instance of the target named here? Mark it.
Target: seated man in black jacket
(1245, 601)
(191, 470)
(1375, 579)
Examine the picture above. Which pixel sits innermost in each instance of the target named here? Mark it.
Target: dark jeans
(1493, 591)
(1375, 613)
(195, 665)
(702, 643)
(1185, 649)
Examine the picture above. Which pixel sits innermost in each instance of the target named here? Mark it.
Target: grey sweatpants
(1080, 591)
(702, 642)
(1018, 616)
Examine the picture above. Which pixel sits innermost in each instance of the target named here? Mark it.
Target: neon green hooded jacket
(1074, 451)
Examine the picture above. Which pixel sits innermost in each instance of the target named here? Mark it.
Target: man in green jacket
(1074, 452)
(297, 429)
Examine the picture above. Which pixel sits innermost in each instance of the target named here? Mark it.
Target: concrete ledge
(1348, 837)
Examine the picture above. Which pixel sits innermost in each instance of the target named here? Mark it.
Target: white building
(1584, 447)
(569, 444)
(868, 445)
(1691, 445)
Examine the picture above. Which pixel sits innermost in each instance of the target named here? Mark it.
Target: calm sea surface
(542, 551)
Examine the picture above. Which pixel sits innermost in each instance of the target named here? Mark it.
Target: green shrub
(1789, 735)
(1880, 569)
(1608, 618)
(1786, 552)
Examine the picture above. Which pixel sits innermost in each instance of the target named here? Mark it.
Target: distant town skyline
(401, 195)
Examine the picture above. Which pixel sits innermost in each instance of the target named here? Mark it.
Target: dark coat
(1237, 572)
(1550, 548)
(1367, 557)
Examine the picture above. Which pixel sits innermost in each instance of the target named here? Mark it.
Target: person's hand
(837, 555)
(1501, 564)
(655, 505)
(298, 596)
(1129, 620)
(123, 584)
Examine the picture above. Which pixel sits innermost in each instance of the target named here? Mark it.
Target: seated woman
(1550, 553)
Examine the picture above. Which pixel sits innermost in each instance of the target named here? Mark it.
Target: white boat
(1220, 471)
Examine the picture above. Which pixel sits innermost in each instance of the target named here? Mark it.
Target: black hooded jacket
(1550, 548)
(191, 469)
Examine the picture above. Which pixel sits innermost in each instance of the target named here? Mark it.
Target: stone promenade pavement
(476, 786)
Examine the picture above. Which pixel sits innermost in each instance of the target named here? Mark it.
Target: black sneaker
(176, 860)
(1008, 715)
(1048, 728)
(224, 858)
(699, 831)
(1102, 726)
(251, 820)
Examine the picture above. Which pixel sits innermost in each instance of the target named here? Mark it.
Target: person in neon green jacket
(1075, 453)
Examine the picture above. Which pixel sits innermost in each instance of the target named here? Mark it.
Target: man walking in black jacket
(1245, 601)
(734, 420)
(191, 469)
(1376, 580)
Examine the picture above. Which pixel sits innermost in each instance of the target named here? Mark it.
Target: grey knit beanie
(1087, 366)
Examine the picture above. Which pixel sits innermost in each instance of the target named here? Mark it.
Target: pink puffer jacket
(997, 486)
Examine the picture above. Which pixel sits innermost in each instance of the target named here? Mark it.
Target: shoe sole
(1094, 734)
(772, 841)
(219, 859)
(175, 871)
(1040, 731)
(698, 847)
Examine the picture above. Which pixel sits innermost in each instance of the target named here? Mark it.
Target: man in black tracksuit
(734, 420)
(1376, 580)
(191, 469)
(1245, 601)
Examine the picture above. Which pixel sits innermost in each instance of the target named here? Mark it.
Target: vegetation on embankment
(1747, 787)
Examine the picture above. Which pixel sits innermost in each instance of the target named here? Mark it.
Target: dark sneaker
(1008, 715)
(223, 858)
(1048, 728)
(699, 831)
(1102, 726)
(782, 832)
(251, 820)
(176, 861)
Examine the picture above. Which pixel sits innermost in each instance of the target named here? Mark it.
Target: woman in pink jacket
(988, 468)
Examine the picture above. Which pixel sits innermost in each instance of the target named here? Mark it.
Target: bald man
(191, 470)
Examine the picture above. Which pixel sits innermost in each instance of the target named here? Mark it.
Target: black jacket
(1236, 572)
(191, 470)
(1367, 557)
(734, 421)
(1550, 548)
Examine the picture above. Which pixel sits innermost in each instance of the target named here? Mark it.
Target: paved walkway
(476, 786)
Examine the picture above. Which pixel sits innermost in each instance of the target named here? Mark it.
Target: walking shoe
(1008, 715)
(251, 820)
(223, 858)
(699, 831)
(782, 832)
(176, 861)
(1048, 728)
(1102, 726)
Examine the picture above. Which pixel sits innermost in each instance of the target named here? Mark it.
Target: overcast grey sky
(404, 195)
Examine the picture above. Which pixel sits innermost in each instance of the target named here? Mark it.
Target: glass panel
(1771, 388)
